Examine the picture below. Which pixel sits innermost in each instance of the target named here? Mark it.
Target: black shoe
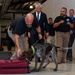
(70, 59)
(59, 62)
(63, 62)
(39, 60)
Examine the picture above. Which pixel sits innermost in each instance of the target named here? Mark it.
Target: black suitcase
(5, 55)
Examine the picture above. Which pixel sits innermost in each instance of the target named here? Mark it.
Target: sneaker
(70, 59)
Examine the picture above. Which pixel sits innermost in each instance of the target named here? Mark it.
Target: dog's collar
(33, 49)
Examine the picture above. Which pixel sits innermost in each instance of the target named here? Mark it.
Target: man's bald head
(29, 19)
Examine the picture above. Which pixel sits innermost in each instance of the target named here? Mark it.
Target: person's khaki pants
(62, 39)
(21, 43)
(51, 39)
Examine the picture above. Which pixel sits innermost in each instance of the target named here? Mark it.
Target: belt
(62, 32)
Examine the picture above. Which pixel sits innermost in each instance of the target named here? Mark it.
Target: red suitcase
(14, 66)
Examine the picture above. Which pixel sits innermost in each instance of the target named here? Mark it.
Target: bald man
(17, 29)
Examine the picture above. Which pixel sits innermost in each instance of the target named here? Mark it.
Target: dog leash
(65, 48)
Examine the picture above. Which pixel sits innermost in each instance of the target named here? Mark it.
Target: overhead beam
(5, 5)
(17, 11)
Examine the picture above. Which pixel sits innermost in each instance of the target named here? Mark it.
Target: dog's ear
(24, 55)
(29, 53)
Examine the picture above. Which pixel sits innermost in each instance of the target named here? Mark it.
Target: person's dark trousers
(31, 40)
(70, 44)
(9, 45)
(41, 41)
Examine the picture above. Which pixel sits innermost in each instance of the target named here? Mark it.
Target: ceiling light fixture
(31, 7)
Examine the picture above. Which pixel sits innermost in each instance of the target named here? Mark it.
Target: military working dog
(43, 51)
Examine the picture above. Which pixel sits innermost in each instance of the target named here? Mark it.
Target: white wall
(52, 9)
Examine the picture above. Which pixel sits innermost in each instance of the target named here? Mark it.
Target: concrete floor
(67, 68)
